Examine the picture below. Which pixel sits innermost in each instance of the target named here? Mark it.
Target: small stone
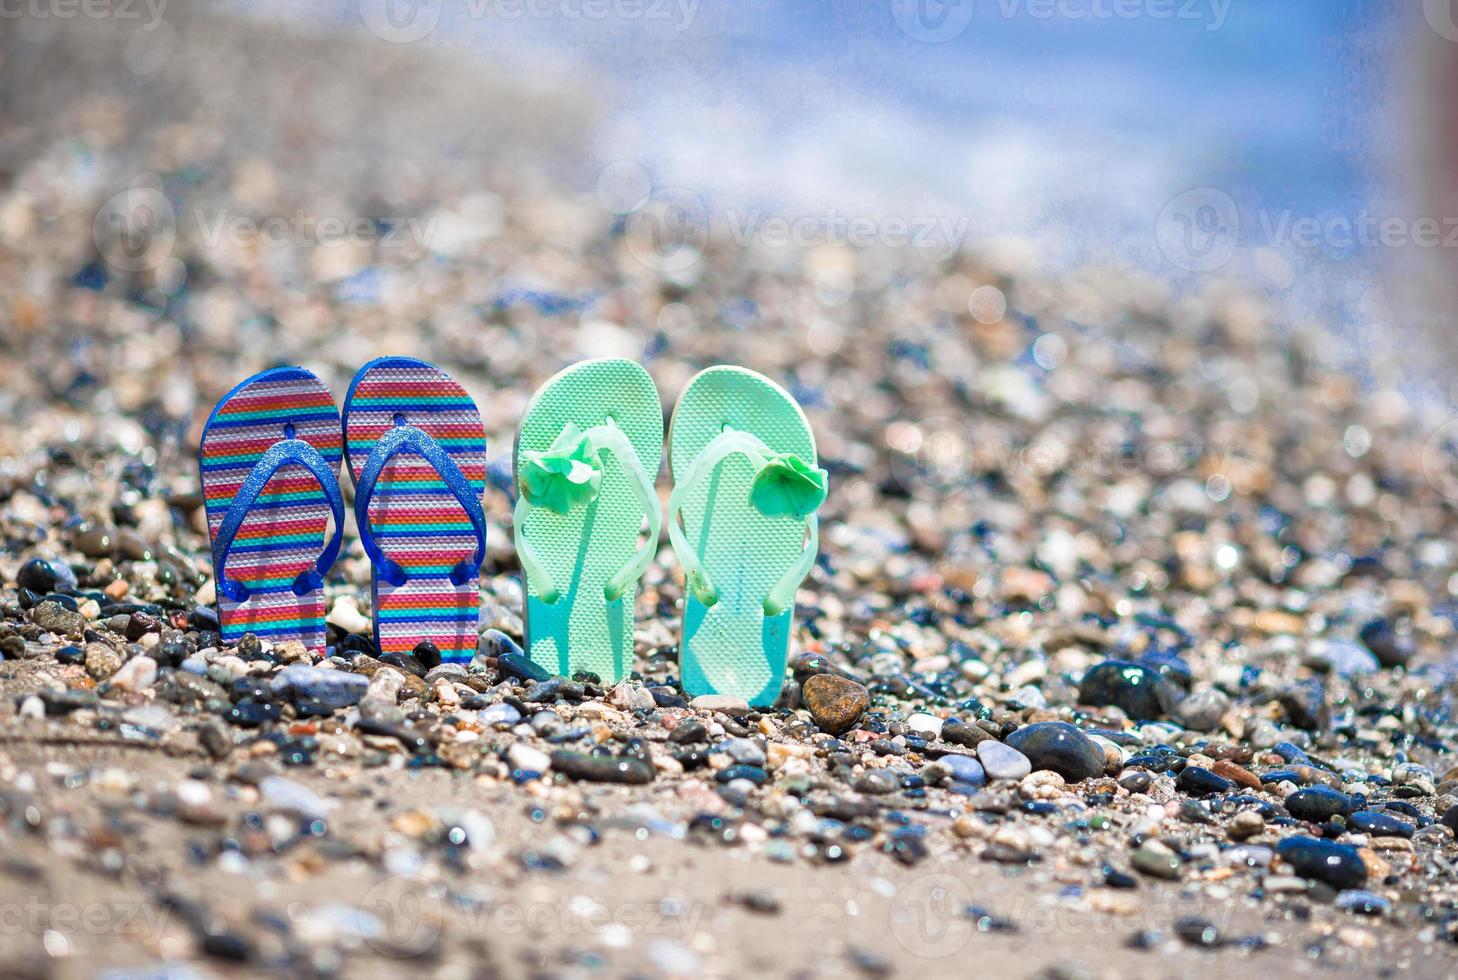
(41, 575)
(1374, 823)
(1001, 761)
(56, 618)
(102, 661)
(334, 689)
(63, 701)
(1391, 647)
(1318, 804)
(526, 758)
(1198, 781)
(500, 713)
(1156, 860)
(286, 794)
(835, 703)
(602, 768)
(346, 615)
(877, 782)
(1236, 774)
(1338, 865)
(1361, 902)
(1202, 710)
(964, 769)
(1058, 746)
(1246, 823)
(137, 674)
(960, 733)
(405, 663)
(95, 542)
(427, 653)
(1140, 692)
(727, 703)
(1305, 704)
(1198, 931)
(521, 668)
(924, 724)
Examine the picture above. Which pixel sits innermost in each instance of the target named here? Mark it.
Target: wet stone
(520, 668)
(41, 575)
(1338, 865)
(405, 662)
(1202, 782)
(964, 769)
(1391, 647)
(1305, 704)
(601, 768)
(56, 618)
(1155, 859)
(335, 688)
(1061, 748)
(1140, 692)
(95, 542)
(1001, 761)
(1376, 824)
(961, 733)
(836, 703)
(102, 661)
(63, 701)
(1318, 804)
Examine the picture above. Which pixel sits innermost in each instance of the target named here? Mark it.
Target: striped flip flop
(269, 461)
(416, 449)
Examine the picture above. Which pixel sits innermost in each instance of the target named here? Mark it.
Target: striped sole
(413, 515)
(286, 528)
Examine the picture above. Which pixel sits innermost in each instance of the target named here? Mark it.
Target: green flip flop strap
(612, 439)
(724, 445)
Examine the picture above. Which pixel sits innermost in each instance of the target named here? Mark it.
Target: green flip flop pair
(741, 518)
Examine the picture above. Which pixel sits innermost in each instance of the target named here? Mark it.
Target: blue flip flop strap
(397, 440)
(283, 453)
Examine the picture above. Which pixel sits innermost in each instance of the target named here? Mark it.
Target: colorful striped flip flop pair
(742, 519)
(416, 449)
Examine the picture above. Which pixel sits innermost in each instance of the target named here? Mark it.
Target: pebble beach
(1130, 651)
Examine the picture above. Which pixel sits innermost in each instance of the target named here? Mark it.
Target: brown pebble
(1236, 774)
(836, 703)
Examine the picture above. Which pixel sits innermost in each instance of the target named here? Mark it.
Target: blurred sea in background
(1061, 130)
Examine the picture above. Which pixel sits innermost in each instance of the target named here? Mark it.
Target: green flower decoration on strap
(788, 486)
(564, 476)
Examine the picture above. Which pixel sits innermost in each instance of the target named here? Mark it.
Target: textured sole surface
(413, 515)
(581, 550)
(286, 528)
(731, 647)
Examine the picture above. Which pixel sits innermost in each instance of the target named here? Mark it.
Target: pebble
(1391, 647)
(41, 575)
(1318, 804)
(56, 618)
(601, 768)
(924, 724)
(1376, 824)
(334, 689)
(1061, 748)
(835, 703)
(345, 614)
(1156, 860)
(964, 769)
(1140, 692)
(1001, 761)
(102, 661)
(528, 758)
(500, 713)
(1198, 781)
(137, 674)
(1338, 865)
(1202, 710)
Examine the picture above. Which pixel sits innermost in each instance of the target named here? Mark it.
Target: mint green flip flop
(746, 488)
(587, 452)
